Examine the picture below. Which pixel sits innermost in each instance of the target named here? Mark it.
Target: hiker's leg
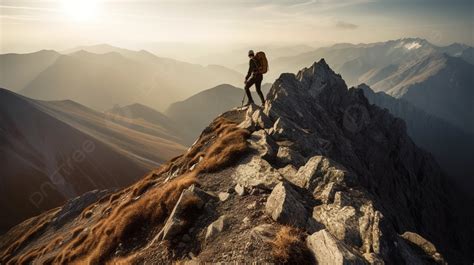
(250, 82)
(258, 86)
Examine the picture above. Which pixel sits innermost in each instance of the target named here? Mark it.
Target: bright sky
(29, 25)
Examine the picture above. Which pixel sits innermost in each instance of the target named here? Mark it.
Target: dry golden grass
(124, 221)
(288, 247)
(229, 142)
(224, 150)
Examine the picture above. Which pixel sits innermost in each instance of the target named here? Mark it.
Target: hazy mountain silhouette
(17, 70)
(114, 76)
(194, 113)
(52, 151)
(138, 112)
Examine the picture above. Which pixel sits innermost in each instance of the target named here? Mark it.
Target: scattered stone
(264, 144)
(287, 155)
(327, 250)
(317, 171)
(284, 206)
(216, 227)
(341, 199)
(246, 220)
(177, 220)
(369, 228)
(264, 232)
(340, 222)
(261, 120)
(248, 122)
(252, 205)
(254, 171)
(281, 129)
(373, 258)
(240, 190)
(328, 193)
(223, 196)
(426, 246)
(255, 191)
(288, 172)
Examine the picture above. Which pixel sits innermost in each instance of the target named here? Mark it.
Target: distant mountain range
(435, 79)
(102, 76)
(53, 151)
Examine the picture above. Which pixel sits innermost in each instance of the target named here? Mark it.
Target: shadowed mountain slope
(138, 112)
(452, 147)
(53, 151)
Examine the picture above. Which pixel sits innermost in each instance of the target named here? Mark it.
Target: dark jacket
(253, 68)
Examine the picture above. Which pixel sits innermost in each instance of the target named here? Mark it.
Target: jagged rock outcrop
(317, 157)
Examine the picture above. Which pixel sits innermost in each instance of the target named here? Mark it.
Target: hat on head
(251, 53)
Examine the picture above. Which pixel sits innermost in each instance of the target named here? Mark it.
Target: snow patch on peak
(412, 45)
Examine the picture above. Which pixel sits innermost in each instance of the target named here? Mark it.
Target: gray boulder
(177, 221)
(284, 206)
(216, 227)
(327, 250)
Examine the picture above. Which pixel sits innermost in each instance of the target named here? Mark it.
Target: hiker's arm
(249, 73)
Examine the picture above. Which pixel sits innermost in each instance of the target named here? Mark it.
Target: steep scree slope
(318, 174)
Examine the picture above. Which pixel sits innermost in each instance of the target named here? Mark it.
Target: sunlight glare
(81, 10)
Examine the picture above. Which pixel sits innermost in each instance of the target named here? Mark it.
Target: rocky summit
(315, 176)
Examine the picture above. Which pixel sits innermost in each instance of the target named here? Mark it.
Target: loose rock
(327, 250)
(284, 206)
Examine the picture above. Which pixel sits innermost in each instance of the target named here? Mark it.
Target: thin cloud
(346, 25)
(29, 8)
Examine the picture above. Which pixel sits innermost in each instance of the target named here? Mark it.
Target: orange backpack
(262, 62)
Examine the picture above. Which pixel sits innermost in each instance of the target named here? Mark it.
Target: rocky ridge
(316, 175)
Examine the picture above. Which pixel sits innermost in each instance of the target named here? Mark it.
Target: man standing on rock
(258, 65)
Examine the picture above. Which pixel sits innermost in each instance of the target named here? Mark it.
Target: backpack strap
(257, 65)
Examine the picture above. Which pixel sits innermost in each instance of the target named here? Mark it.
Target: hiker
(258, 66)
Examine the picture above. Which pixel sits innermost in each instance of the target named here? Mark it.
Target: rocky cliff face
(316, 175)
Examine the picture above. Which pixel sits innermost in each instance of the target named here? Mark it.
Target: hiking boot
(248, 103)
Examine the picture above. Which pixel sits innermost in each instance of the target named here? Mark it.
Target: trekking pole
(243, 101)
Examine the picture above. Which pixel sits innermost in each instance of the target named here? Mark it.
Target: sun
(81, 10)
